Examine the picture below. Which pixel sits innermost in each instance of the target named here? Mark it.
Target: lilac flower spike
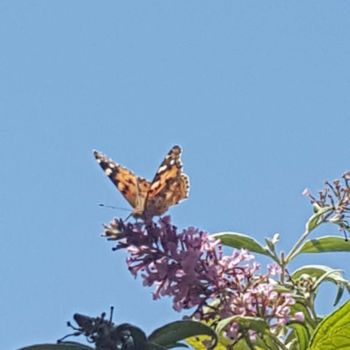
(189, 266)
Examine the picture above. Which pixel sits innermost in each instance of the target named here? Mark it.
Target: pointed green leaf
(325, 277)
(247, 322)
(177, 345)
(239, 240)
(340, 293)
(153, 346)
(302, 334)
(325, 244)
(315, 271)
(315, 219)
(180, 330)
(62, 346)
(333, 332)
(269, 341)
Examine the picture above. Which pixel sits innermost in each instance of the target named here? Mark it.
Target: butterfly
(168, 187)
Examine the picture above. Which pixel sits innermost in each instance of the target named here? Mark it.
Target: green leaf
(154, 346)
(239, 240)
(316, 218)
(246, 322)
(325, 277)
(62, 346)
(267, 342)
(200, 343)
(180, 330)
(333, 332)
(177, 345)
(325, 244)
(340, 293)
(316, 271)
(301, 333)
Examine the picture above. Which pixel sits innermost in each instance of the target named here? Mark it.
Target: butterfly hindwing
(176, 190)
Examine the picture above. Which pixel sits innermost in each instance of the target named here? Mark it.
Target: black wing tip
(176, 148)
(96, 153)
(99, 156)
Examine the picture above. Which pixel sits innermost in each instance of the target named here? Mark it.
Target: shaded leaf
(180, 330)
(178, 345)
(267, 342)
(62, 346)
(253, 323)
(239, 240)
(153, 346)
(340, 293)
(199, 343)
(302, 334)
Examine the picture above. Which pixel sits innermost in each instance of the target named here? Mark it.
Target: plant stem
(295, 250)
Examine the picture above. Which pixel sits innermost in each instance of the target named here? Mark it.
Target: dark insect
(106, 335)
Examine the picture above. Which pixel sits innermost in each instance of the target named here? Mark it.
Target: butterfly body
(169, 186)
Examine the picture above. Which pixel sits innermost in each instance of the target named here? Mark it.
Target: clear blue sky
(256, 92)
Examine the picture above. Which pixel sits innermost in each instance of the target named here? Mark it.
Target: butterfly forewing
(169, 185)
(133, 188)
(169, 170)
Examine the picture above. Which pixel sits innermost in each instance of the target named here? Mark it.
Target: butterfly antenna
(112, 207)
(127, 218)
(111, 314)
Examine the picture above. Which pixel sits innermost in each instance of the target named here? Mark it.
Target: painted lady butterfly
(169, 186)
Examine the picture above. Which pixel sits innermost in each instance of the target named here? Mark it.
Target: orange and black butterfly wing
(169, 186)
(176, 190)
(132, 187)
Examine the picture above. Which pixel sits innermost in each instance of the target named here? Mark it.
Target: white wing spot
(108, 171)
(162, 168)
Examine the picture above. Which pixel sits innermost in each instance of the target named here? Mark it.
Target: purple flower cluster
(190, 267)
(335, 196)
